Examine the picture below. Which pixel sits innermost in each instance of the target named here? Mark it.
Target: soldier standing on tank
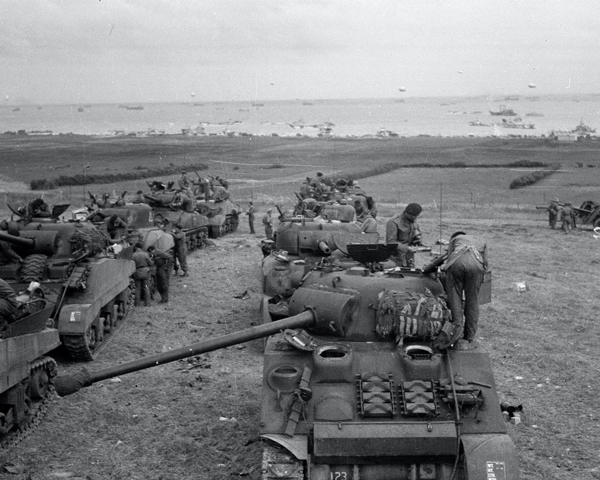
(162, 262)
(116, 227)
(567, 217)
(250, 214)
(179, 250)
(465, 267)
(143, 263)
(268, 223)
(403, 231)
(8, 304)
(184, 182)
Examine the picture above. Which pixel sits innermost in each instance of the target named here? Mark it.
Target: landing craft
(531, 85)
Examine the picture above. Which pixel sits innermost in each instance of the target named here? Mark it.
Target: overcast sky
(87, 51)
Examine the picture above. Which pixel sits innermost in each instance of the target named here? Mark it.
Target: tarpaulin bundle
(410, 314)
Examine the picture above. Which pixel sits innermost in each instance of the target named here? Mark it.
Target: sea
(404, 117)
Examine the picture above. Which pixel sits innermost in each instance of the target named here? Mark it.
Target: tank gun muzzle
(68, 384)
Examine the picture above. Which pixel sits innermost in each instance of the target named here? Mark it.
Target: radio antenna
(441, 204)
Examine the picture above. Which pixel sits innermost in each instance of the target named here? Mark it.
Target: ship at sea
(583, 129)
(478, 123)
(503, 112)
(511, 124)
(134, 107)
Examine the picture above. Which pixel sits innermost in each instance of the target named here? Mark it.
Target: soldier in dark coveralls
(179, 250)
(403, 231)
(162, 262)
(143, 262)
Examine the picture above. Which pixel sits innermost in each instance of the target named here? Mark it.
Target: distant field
(248, 163)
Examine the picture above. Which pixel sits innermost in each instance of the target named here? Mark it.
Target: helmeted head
(556, 200)
(269, 210)
(138, 246)
(456, 234)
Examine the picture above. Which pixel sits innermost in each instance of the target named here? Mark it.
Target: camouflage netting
(411, 314)
(93, 241)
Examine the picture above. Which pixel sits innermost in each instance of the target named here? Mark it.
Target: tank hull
(26, 373)
(368, 406)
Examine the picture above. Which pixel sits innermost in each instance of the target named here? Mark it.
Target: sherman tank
(222, 213)
(360, 381)
(142, 227)
(89, 282)
(26, 372)
(168, 211)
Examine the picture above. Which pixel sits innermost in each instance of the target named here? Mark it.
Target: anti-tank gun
(76, 265)
(358, 383)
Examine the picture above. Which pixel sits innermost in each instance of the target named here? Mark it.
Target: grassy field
(199, 420)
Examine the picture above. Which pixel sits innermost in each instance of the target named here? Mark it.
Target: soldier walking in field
(567, 217)
(553, 211)
(250, 214)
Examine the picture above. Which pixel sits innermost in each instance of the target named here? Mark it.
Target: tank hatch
(369, 253)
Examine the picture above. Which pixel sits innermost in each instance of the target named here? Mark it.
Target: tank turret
(360, 381)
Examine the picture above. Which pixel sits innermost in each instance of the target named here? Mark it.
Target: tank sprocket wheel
(33, 267)
(81, 347)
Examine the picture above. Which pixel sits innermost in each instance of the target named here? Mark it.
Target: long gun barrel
(36, 241)
(68, 384)
(21, 241)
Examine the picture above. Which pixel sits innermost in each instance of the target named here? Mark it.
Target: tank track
(37, 408)
(78, 347)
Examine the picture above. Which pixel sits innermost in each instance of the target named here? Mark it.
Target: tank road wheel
(596, 223)
(235, 221)
(39, 384)
(126, 305)
(33, 267)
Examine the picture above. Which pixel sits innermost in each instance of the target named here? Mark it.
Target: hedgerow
(81, 179)
(533, 177)
(389, 167)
